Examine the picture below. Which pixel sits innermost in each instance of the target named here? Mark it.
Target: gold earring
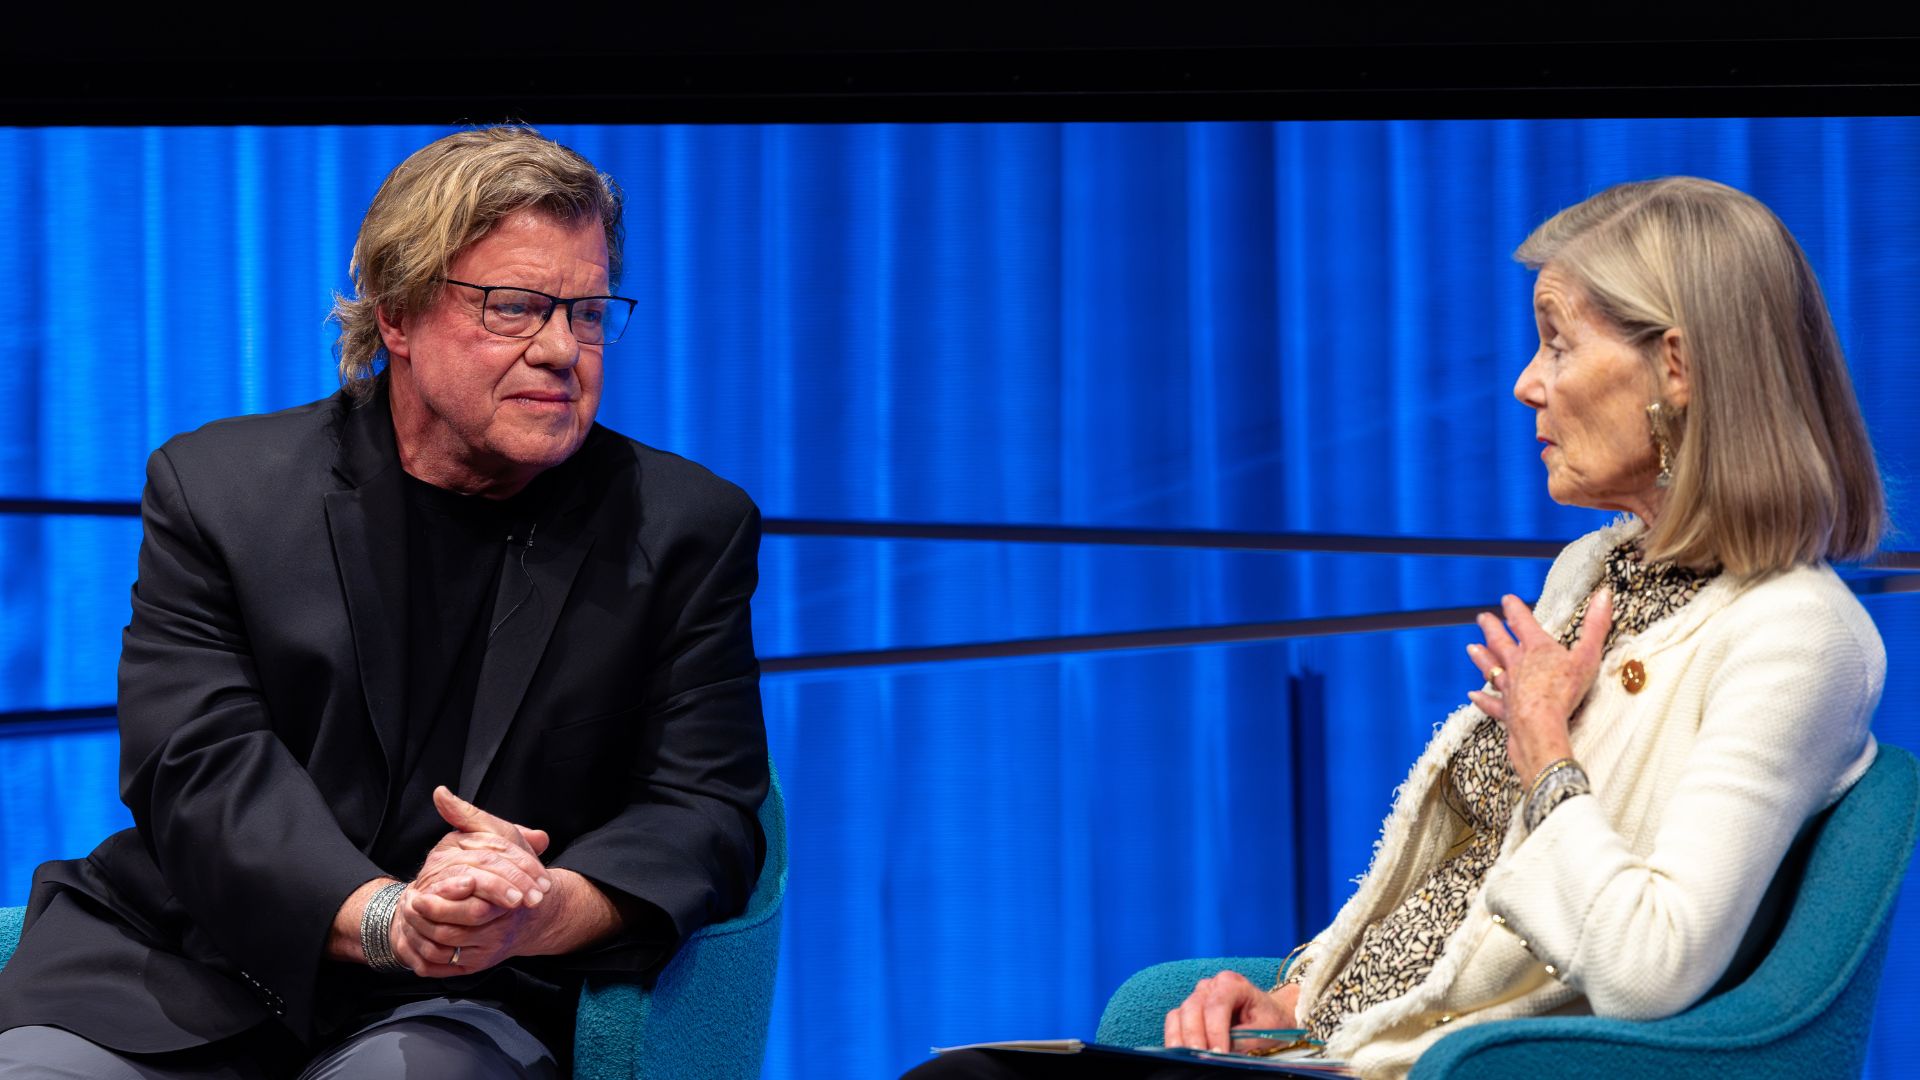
(1658, 419)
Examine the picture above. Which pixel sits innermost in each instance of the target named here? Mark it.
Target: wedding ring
(1493, 675)
(456, 955)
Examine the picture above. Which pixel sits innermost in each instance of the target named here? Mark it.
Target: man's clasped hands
(482, 897)
(480, 892)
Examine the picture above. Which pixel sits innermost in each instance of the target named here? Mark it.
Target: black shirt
(458, 547)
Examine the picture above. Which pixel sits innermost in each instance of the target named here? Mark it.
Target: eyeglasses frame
(559, 302)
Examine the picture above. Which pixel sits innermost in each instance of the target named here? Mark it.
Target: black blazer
(261, 691)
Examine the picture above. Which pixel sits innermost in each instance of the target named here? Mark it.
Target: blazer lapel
(534, 581)
(369, 548)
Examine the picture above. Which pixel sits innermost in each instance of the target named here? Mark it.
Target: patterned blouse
(1396, 953)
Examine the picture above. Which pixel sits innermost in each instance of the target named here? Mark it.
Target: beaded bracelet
(1551, 768)
(376, 927)
(1557, 783)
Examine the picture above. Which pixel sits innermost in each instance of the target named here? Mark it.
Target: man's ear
(1675, 385)
(391, 335)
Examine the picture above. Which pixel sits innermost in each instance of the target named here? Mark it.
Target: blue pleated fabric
(1305, 326)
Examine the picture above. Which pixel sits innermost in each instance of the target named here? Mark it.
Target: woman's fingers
(1205, 1021)
(1492, 667)
(1193, 1028)
(1593, 631)
(1526, 629)
(1220, 1015)
(1491, 704)
(1484, 661)
(1184, 1026)
(1500, 644)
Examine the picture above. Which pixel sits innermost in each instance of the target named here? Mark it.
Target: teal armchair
(706, 1016)
(10, 919)
(1804, 1011)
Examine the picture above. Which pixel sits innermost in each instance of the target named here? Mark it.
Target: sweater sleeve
(1782, 727)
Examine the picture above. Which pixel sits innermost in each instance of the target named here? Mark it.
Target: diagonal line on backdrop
(1181, 637)
(1210, 539)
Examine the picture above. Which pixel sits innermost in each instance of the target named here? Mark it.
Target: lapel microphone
(526, 546)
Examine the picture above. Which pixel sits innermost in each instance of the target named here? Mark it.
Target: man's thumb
(536, 840)
(460, 813)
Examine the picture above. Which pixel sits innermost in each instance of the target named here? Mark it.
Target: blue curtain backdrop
(1294, 326)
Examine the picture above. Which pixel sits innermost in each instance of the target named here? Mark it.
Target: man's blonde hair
(1771, 465)
(443, 198)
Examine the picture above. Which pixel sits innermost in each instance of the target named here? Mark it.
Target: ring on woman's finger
(1494, 673)
(456, 956)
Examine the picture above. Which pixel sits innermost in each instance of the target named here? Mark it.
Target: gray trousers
(438, 1039)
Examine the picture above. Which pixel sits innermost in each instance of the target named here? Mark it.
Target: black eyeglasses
(523, 313)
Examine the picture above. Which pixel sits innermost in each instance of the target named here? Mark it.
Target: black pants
(437, 1039)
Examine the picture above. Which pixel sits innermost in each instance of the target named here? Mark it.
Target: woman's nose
(1529, 389)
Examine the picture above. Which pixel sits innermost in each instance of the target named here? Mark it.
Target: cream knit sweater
(1631, 902)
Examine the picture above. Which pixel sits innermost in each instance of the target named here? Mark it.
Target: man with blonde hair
(359, 622)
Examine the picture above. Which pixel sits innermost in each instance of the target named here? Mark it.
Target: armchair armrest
(10, 920)
(706, 1016)
(1136, 1014)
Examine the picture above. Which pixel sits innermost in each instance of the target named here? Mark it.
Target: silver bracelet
(1561, 781)
(376, 927)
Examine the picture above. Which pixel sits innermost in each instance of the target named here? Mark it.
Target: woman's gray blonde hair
(1771, 465)
(443, 198)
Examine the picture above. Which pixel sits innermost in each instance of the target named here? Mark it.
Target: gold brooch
(1633, 676)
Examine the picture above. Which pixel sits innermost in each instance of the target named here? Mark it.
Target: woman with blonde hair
(1597, 829)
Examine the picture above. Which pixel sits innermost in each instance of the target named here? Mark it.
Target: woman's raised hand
(1537, 684)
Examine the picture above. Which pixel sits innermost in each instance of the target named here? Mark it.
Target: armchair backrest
(1806, 1009)
(1834, 931)
(771, 887)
